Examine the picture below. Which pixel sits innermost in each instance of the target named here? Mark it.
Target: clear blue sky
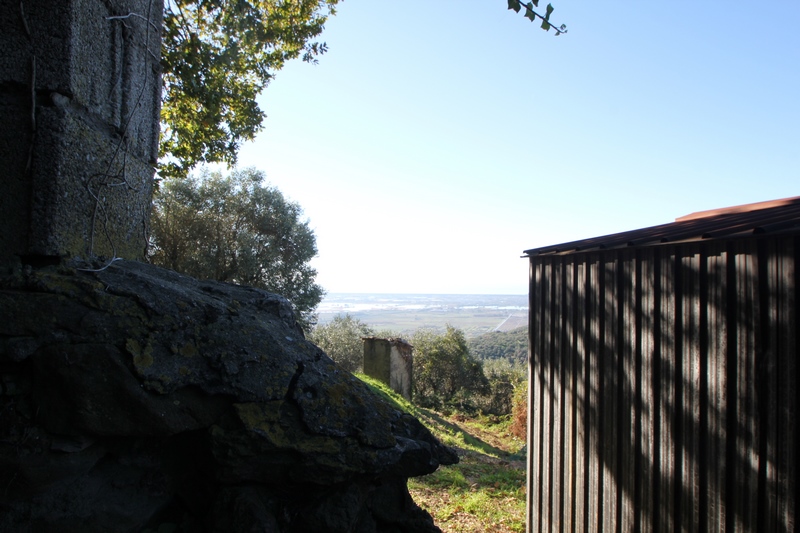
(436, 141)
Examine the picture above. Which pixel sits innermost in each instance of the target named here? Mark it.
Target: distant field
(473, 322)
(403, 314)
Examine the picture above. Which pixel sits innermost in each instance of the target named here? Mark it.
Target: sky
(437, 140)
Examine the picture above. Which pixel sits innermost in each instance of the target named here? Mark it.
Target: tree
(509, 345)
(341, 340)
(234, 228)
(445, 374)
(217, 56)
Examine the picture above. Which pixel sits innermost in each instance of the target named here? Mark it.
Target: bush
(445, 374)
(504, 378)
(519, 413)
(341, 340)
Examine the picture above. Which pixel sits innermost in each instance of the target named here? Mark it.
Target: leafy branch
(530, 14)
(218, 56)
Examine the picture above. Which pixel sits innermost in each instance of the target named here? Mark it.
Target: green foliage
(511, 346)
(445, 374)
(447, 432)
(485, 491)
(217, 56)
(474, 496)
(504, 378)
(384, 391)
(519, 410)
(504, 355)
(465, 435)
(532, 15)
(341, 340)
(236, 229)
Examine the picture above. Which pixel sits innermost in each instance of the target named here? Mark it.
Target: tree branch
(531, 15)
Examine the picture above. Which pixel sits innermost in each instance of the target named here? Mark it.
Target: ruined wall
(80, 98)
(390, 361)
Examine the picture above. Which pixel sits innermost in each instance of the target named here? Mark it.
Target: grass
(486, 490)
(474, 496)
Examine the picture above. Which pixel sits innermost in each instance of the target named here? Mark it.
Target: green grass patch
(485, 491)
(451, 431)
(473, 496)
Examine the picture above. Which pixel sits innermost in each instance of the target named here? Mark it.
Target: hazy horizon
(473, 313)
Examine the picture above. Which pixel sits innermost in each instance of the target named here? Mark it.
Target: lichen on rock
(163, 399)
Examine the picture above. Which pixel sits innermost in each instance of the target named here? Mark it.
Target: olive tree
(341, 340)
(445, 374)
(238, 229)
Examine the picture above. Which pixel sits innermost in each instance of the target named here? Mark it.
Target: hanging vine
(109, 178)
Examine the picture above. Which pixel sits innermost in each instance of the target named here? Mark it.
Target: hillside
(485, 491)
(511, 346)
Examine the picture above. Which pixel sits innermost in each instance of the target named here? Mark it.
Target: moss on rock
(148, 379)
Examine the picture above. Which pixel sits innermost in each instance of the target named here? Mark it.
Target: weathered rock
(80, 99)
(135, 397)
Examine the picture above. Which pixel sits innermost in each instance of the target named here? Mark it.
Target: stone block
(80, 94)
(391, 362)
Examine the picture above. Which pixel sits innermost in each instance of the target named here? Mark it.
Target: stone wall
(390, 361)
(80, 98)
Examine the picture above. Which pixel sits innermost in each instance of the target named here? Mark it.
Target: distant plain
(475, 314)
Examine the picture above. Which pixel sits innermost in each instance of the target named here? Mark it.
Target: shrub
(445, 374)
(341, 340)
(519, 413)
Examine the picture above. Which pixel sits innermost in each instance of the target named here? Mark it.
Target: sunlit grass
(473, 496)
(485, 491)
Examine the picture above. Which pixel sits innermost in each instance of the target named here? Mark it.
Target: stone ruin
(390, 361)
(133, 398)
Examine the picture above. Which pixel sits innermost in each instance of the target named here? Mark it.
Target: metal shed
(664, 377)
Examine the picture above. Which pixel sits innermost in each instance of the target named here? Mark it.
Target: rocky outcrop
(134, 399)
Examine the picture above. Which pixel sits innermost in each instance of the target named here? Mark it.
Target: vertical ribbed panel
(743, 363)
(594, 292)
(664, 389)
(715, 415)
(581, 378)
(629, 429)
(647, 451)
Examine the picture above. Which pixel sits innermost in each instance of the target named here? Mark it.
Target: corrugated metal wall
(664, 389)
